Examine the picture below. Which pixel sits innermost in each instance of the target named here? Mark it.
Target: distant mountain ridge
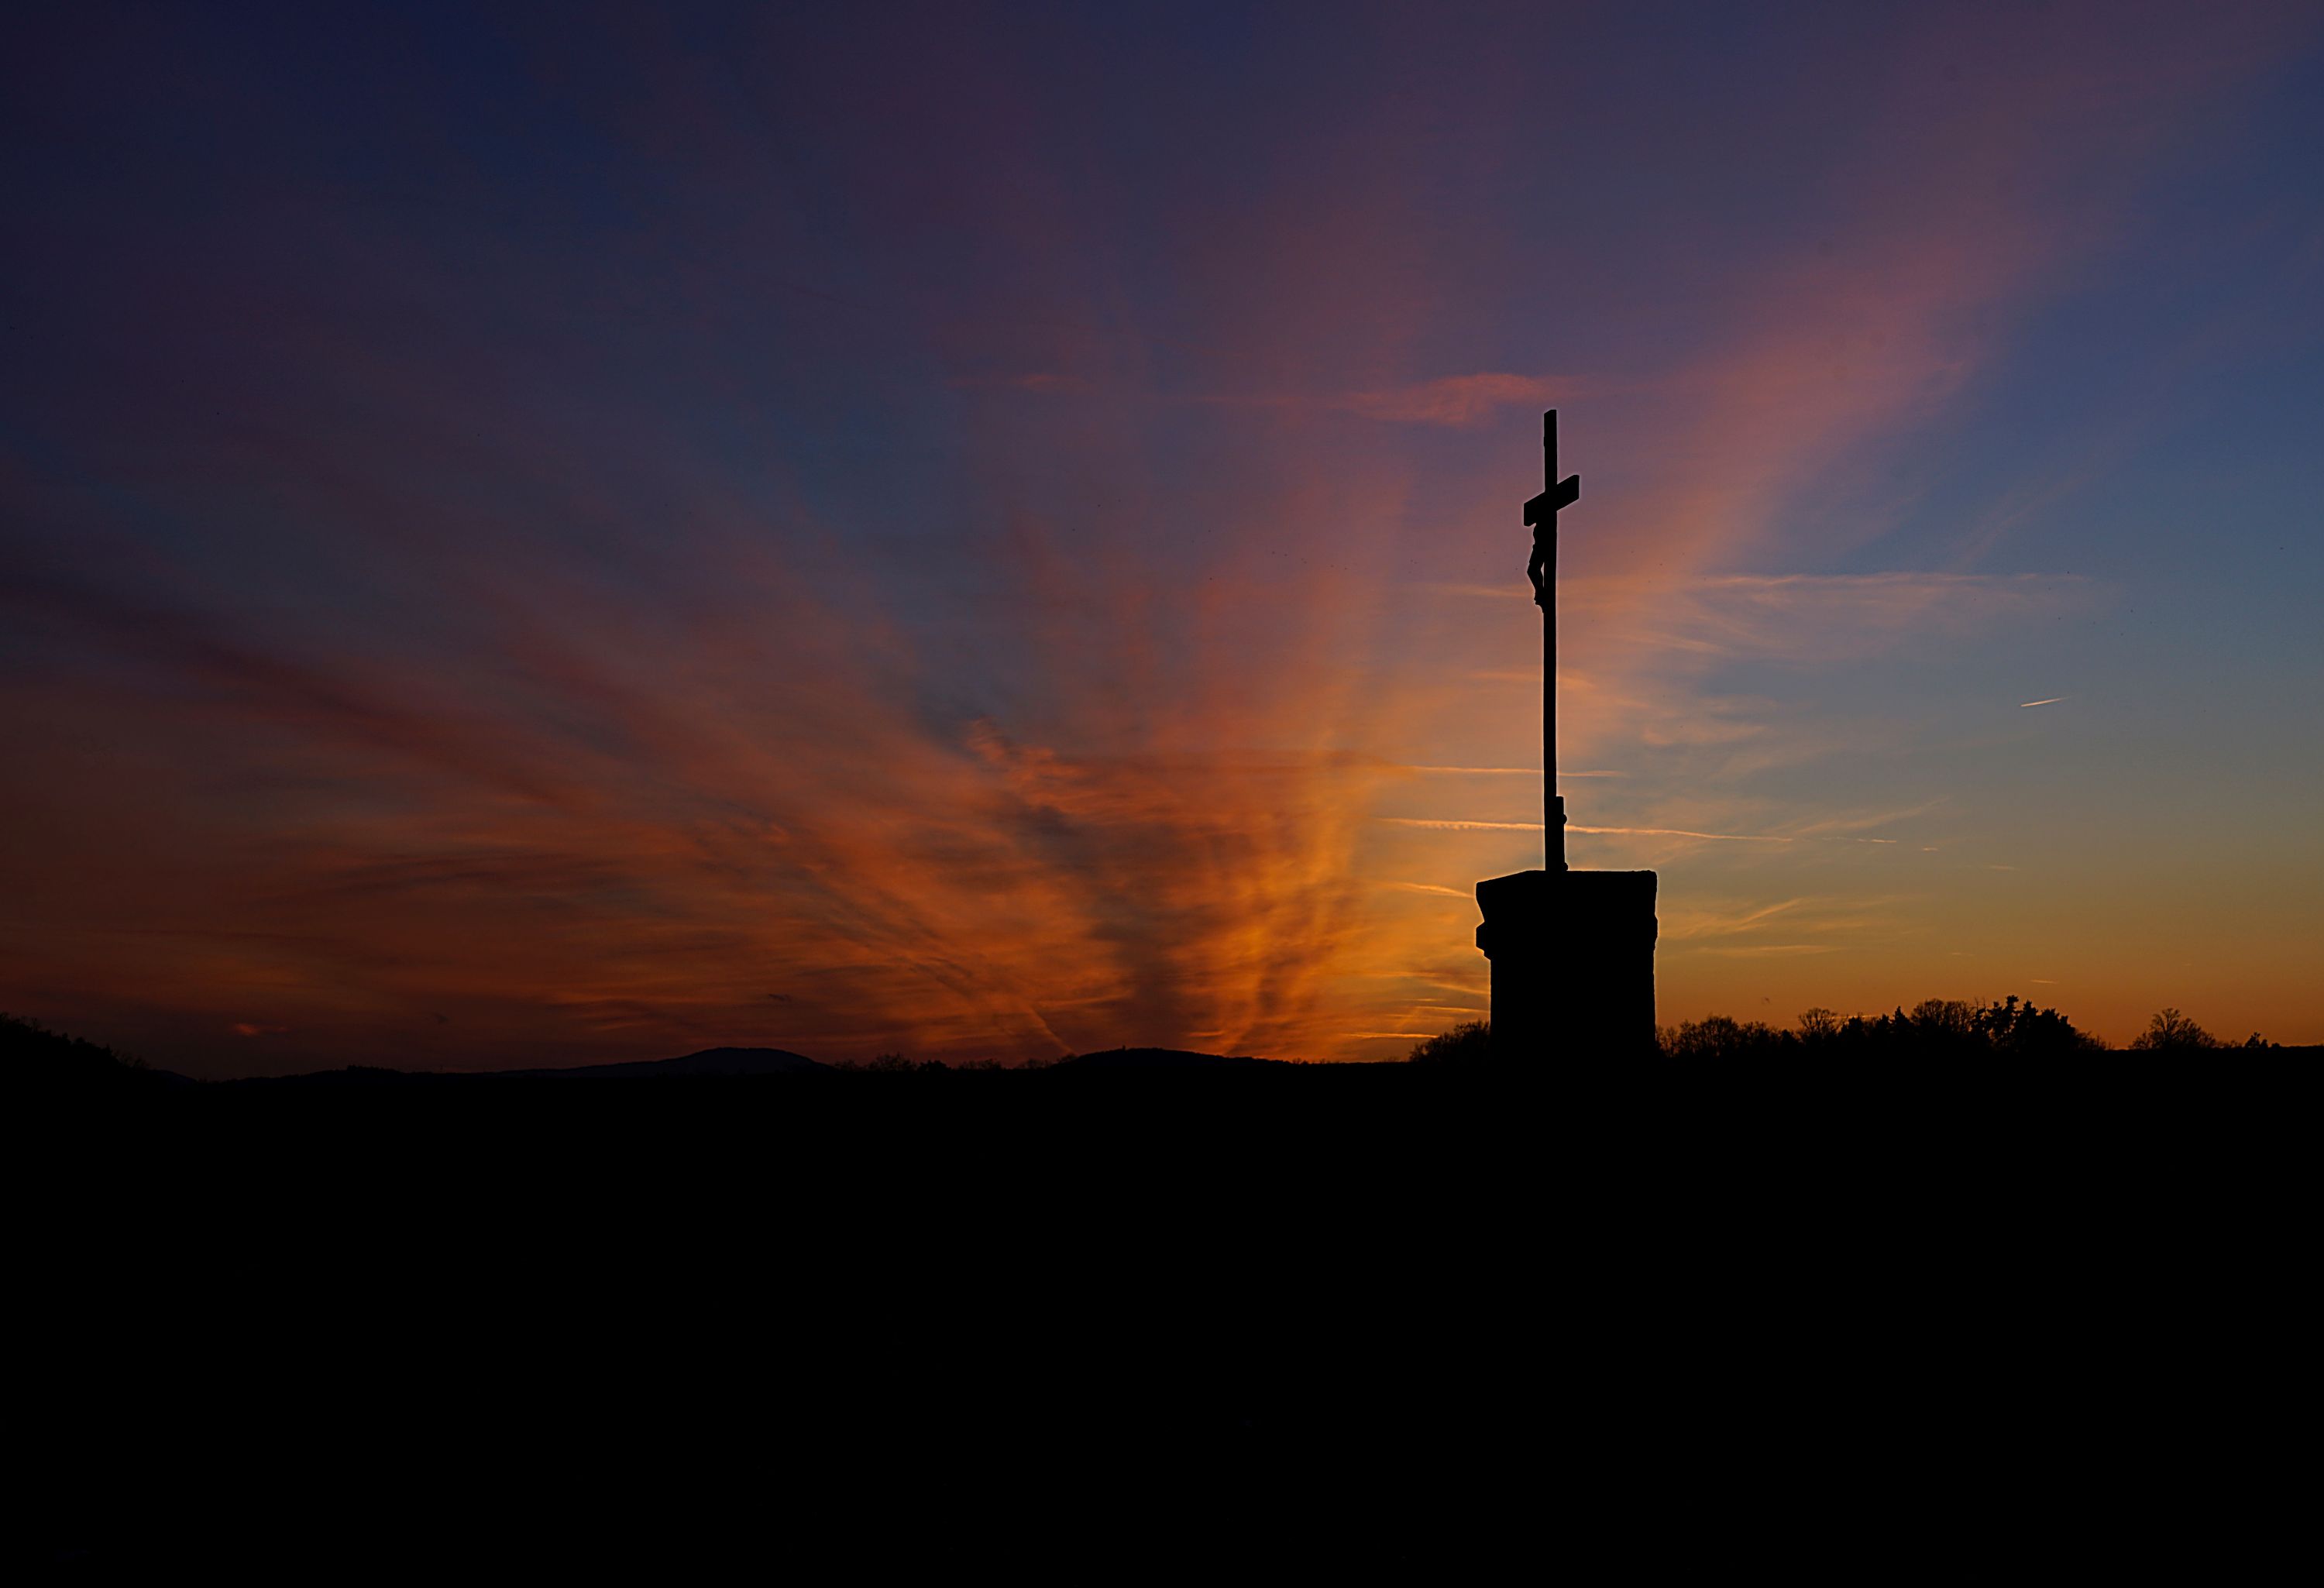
(44, 1062)
(1164, 1058)
(52, 1060)
(709, 1061)
(729, 1063)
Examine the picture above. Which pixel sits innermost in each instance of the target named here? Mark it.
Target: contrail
(1500, 771)
(1458, 826)
(1683, 833)
(1448, 825)
(1465, 826)
(2052, 701)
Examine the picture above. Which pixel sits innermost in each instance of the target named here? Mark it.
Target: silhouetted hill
(710, 1061)
(40, 1061)
(1164, 1058)
(922, 1242)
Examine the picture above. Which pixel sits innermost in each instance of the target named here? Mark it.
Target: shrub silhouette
(42, 1061)
(896, 1064)
(1464, 1046)
(1936, 1028)
(1721, 1036)
(2172, 1032)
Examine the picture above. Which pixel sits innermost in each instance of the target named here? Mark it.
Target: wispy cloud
(1857, 823)
(1460, 399)
(1508, 771)
(1699, 923)
(1681, 833)
(1760, 950)
(1455, 401)
(1831, 830)
(1829, 617)
(1448, 824)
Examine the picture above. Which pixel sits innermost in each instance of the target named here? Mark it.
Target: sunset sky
(555, 533)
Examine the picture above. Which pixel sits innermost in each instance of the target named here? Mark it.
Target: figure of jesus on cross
(1541, 512)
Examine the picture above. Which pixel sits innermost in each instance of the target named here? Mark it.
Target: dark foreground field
(1131, 1324)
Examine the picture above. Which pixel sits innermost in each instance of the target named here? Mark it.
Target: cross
(1541, 512)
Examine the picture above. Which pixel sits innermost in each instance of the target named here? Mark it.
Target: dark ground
(1122, 1324)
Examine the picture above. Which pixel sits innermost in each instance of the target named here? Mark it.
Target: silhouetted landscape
(668, 672)
(40, 1061)
(1246, 1285)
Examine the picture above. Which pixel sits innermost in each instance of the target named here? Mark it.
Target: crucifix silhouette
(1573, 952)
(1541, 512)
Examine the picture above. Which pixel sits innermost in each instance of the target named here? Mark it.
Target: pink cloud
(1460, 399)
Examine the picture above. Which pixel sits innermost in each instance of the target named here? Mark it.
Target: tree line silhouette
(1936, 1028)
(33, 1057)
(50, 1061)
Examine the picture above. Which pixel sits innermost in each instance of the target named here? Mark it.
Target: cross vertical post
(1541, 512)
(1553, 825)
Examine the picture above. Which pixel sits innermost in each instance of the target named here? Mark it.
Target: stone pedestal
(1574, 963)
